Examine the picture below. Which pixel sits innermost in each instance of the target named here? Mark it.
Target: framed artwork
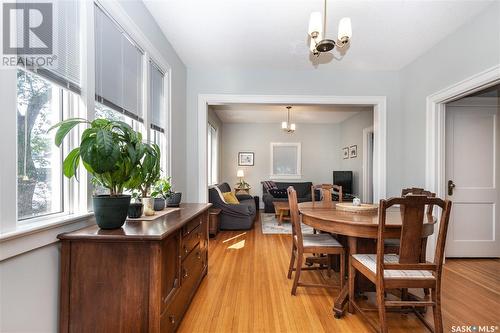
(345, 153)
(353, 151)
(245, 158)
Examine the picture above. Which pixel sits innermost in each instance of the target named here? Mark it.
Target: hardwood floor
(246, 290)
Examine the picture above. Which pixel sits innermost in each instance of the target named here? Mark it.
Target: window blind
(64, 69)
(157, 97)
(118, 63)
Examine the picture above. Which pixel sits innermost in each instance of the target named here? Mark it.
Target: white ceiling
(387, 35)
(272, 113)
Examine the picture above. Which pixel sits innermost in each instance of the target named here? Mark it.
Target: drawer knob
(199, 235)
(185, 249)
(198, 255)
(172, 319)
(186, 273)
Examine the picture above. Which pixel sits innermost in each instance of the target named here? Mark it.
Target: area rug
(270, 225)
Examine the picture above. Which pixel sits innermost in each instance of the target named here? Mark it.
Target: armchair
(233, 217)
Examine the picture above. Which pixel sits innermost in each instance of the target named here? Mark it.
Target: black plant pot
(135, 210)
(110, 212)
(159, 204)
(174, 200)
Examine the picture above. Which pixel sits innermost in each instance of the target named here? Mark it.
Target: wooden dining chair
(326, 191)
(392, 271)
(309, 243)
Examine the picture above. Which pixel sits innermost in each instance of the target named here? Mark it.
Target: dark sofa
(233, 217)
(303, 194)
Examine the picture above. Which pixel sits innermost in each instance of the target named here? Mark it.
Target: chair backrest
(294, 215)
(413, 212)
(419, 191)
(326, 191)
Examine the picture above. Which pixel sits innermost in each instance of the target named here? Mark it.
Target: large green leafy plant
(110, 150)
(148, 171)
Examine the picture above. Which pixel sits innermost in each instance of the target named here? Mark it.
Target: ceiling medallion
(317, 31)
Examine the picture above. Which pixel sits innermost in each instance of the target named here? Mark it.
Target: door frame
(366, 162)
(435, 133)
(379, 104)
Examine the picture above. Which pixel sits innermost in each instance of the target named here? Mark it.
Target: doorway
(472, 175)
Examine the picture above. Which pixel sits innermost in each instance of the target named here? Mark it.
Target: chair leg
(381, 308)
(436, 310)
(330, 265)
(352, 279)
(292, 261)
(342, 270)
(300, 258)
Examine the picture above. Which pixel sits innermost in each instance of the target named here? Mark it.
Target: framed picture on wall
(353, 151)
(345, 153)
(246, 158)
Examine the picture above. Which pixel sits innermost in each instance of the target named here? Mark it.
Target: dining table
(359, 230)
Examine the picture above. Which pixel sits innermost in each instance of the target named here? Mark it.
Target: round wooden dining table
(359, 229)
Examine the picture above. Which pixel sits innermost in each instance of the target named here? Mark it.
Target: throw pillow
(269, 185)
(230, 198)
(277, 193)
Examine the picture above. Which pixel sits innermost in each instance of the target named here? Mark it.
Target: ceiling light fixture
(286, 125)
(317, 31)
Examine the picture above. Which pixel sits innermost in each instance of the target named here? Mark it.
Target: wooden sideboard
(139, 278)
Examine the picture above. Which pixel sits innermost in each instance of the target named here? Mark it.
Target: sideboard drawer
(190, 240)
(192, 267)
(191, 225)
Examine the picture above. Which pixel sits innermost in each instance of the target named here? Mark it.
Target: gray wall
(295, 82)
(319, 145)
(29, 283)
(471, 49)
(351, 133)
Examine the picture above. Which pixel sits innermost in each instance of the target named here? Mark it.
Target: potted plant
(161, 192)
(135, 208)
(111, 152)
(163, 189)
(146, 175)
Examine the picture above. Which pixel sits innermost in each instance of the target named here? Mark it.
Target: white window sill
(34, 235)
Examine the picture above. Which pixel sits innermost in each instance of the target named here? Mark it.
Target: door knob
(451, 186)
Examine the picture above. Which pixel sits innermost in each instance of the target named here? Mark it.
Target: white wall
(351, 133)
(473, 48)
(319, 144)
(29, 283)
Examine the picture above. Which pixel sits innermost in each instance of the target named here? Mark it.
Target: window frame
(298, 174)
(15, 237)
(213, 142)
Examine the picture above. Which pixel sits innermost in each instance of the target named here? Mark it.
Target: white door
(472, 143)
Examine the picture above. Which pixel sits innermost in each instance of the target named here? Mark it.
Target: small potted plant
(163, 189)
(111, 152)
(161, 192)
(135, 208)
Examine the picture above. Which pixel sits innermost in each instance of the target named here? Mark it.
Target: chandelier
(317, 31)
(286, 125)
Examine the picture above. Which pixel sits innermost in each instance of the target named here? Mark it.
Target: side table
(257, 202)
(213, 221)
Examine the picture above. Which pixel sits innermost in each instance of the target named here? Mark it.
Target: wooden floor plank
(246, 290)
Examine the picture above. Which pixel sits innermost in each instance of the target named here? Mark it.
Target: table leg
(280, 219)
(343, 297)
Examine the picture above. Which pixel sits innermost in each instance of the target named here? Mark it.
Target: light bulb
(345, 30)
(315, 24)
(284, 125)
(292, 127)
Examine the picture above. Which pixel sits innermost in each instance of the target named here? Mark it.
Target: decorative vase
(174, 200)
(148, 206)
(110, 211)
(135, 210)
(159, 204)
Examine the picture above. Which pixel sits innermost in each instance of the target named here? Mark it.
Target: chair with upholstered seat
(404, 270)
(309, 243)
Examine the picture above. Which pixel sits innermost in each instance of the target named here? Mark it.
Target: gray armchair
(233, 217)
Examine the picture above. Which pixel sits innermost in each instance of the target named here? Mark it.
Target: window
(285, 161)
(159, 111)
(39, 175)
(213, 164)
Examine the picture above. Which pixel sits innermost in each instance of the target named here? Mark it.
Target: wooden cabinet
(140, 278)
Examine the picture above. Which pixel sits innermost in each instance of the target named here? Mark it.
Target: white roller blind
(157, 97)
(118, 63)
(65, 67)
